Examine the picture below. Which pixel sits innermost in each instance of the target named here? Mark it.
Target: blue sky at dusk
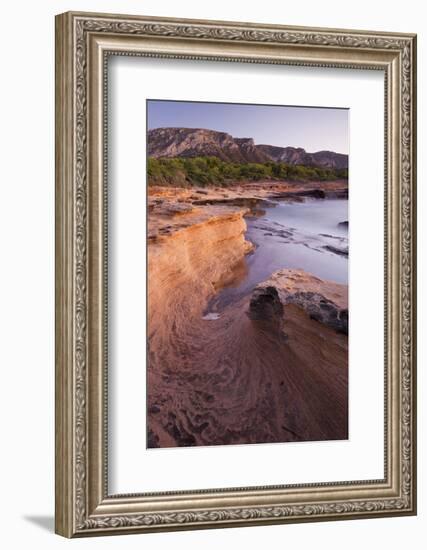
(313, 128)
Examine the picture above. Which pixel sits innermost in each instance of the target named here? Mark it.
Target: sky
(312, 128)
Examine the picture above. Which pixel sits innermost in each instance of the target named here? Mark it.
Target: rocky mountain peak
(193, 142)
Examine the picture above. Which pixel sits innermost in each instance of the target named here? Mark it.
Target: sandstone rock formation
(323, 301)
(227, 378)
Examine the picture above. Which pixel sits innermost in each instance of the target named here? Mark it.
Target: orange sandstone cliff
(272, 367)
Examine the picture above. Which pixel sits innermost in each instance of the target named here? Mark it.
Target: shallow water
(298, 235)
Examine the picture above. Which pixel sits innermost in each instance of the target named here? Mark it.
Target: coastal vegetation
(204, 171)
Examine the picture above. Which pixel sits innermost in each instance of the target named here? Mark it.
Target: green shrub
(205, 171)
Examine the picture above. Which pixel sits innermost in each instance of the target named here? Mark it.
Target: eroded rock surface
(233, 379)
(323, 301)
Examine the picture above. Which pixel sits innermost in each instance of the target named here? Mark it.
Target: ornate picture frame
(84, 41)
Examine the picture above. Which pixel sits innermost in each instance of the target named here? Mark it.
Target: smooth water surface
(299, 235)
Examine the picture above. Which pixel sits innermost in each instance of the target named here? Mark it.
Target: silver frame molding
(83, 43)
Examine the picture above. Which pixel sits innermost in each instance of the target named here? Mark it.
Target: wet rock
(337, 193)
(323, 301)
(265, 304)
(331, 236)
(321, 309)
(315, 193)
(336, 250)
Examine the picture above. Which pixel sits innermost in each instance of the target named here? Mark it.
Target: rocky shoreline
(323, 301)
(274, 366)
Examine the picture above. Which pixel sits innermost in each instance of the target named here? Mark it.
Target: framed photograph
(235, 274)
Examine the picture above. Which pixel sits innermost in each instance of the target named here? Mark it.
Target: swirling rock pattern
(231, 380)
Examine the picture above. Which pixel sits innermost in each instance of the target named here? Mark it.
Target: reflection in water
(305, 235)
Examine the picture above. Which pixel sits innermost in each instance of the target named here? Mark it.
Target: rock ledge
(324, 301)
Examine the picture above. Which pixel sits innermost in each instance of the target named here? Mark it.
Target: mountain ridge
(172, 142)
